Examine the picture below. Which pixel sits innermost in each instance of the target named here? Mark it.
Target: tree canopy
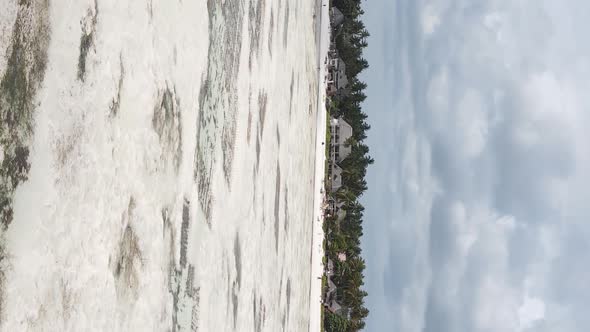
(344, 236)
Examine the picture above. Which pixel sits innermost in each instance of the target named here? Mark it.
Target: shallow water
(170, 169)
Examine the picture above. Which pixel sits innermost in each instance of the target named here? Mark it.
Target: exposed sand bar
(172, 166)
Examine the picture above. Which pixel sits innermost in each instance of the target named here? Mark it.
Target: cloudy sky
(477, 216)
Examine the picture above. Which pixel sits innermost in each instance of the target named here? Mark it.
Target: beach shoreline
(317, 250)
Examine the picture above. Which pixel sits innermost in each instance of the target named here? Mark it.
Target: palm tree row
(344, 234)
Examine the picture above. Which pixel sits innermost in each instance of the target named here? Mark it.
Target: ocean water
(164, 159)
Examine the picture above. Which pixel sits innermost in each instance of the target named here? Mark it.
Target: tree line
(344, 236)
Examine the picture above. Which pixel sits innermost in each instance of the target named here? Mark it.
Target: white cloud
(491, 168)
(496, 304)
(531, 311)
(471, 124)
(438, 96)
(430, 20)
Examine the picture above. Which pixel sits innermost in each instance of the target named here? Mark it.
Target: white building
(340, 79)
(336, 177)
(330, 269)
(336, 17)
(340, 132)
(336, 207)
(337, 79)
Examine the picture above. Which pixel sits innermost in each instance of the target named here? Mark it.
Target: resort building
(330, 268)
(337, 78)
(336, 177)
(336, 17)
(336, 209)
(331, 303)
(340, 132)
(340, 79)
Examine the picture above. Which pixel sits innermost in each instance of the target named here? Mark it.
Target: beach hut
(336, 17)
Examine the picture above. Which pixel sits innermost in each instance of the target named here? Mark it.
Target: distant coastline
(347, 160)
(322, 37)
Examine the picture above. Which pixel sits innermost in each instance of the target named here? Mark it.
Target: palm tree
(335, 323)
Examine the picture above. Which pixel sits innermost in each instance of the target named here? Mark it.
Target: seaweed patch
(218, 98)
(166, 121)
(128, 258)
(88, 24)
(25, 71)
(116, 101)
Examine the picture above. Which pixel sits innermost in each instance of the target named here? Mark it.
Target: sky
(476, 216)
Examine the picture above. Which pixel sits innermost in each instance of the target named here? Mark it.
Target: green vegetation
(324, 290)
(343, 234)
(336, 323)
(328, 136)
